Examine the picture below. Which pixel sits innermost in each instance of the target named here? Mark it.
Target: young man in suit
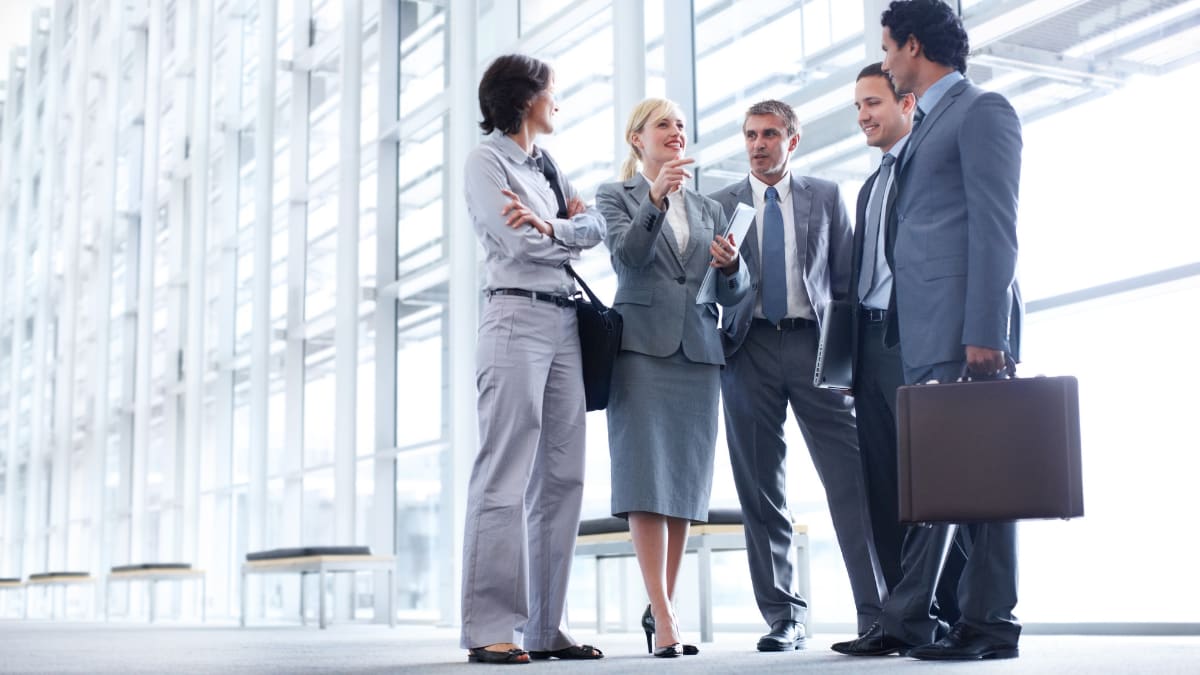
(885, 117)
(952, 247)
(798, 257)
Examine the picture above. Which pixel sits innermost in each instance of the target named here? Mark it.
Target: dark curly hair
(935, 25)
(507, 87)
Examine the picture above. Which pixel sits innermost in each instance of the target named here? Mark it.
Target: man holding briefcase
(951, 245)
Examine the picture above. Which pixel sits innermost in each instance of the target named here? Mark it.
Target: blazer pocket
(938, 268)
(633, 296)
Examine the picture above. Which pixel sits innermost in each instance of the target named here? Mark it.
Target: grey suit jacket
(656, 282)
(823, 231)
(952, 233)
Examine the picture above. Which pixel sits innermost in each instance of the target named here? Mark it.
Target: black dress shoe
(786, 635)
(872, 643)
(965, 643)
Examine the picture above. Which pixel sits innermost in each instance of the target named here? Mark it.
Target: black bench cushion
(152, 566)
(47, 575)
(613, 524)
(305, 551)
(9, 580)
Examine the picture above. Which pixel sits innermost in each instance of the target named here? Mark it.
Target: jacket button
(680, 280)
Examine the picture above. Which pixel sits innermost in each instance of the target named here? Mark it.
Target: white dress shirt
(677, 219)
(798, 304)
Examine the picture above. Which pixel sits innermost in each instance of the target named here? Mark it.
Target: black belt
(871, 315)
(786, 324)
(559, 300)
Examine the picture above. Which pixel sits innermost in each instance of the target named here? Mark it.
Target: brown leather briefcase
(990, 450)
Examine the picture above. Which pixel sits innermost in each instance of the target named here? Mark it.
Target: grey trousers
(771, 370)
(987, 589)
(523, 501)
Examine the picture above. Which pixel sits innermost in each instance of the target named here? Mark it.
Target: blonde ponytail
(630, 166)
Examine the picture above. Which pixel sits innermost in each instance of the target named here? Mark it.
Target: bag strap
(550, 171)
(586, 289)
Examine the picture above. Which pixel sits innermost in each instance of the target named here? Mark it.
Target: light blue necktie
(870, 262)
(774, 261)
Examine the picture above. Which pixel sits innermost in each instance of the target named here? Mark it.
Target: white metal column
(873, 29)
(383, 514)
(147, 234)
(195, 365)
(629, 69)
(260, 336)
(36, 519)
(293, 456)
(228, 212)
(679, 56)
(64, 421)
(100, 546)
(462, 306)
(23, 176)
(345, 424)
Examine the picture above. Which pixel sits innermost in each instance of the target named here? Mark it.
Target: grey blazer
(657, 283)
(952, 234)
(824, 228)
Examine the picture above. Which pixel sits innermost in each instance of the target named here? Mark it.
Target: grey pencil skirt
(662, 433)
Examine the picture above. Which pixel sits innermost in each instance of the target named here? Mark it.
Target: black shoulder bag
(600, 326)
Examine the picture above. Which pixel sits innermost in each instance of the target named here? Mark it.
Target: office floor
(126, 647)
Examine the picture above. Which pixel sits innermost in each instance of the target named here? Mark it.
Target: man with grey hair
(798, 256)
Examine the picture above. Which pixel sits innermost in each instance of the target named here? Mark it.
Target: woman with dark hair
(526, 487)
(662, 412)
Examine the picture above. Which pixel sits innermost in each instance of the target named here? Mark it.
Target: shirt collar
(937, 90)
(783, 187)
(898, 147)
(512, 151)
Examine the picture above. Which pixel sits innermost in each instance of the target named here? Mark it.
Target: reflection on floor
(61, 647)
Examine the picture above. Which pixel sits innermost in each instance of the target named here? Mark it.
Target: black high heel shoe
(648, 626)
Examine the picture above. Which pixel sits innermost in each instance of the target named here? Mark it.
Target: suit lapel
(638, 189)
(931, 118)
(698, 231)
(801, 206)
(860, 229)
(748, 249)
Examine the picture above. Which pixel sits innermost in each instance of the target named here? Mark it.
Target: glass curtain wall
(228, 320)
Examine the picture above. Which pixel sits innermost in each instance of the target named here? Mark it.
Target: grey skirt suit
(662, 411)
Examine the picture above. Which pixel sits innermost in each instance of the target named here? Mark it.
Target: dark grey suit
(878, 372)
(952, 245)
(766, 370)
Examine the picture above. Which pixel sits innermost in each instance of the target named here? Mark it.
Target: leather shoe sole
(765, 645)
(933, 653)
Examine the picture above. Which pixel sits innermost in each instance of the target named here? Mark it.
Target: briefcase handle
(591, 296)
(1010, 372)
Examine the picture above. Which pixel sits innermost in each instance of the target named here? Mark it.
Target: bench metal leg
(600, 595)
(303, 612)
(391, 598)
(107, 585)
(800, 541)
(242, 620)
(704, 557)
(153, 598)
(321, 601)
(203, 599)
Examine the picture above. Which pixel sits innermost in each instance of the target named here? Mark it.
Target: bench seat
(154, 572)
(318, 560)
(603, 538)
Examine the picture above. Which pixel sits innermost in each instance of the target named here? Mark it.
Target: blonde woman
(662, 413)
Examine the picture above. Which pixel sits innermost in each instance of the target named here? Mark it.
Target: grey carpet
(124, 648)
